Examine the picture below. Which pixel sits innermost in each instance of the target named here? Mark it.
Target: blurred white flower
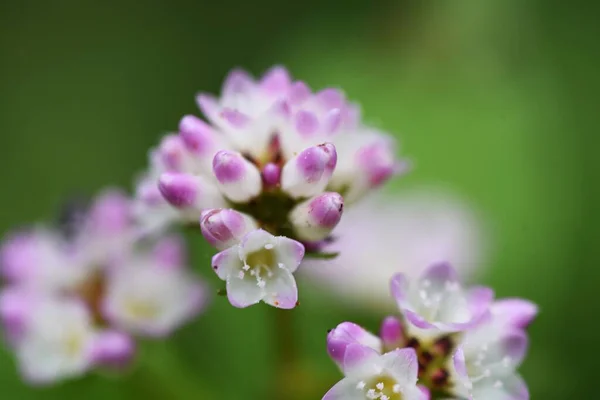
(404, 233)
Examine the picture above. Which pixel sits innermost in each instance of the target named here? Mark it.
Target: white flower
(369, 376)
(436, 302)
(144, 296)
(260, 268)
(57, 341)
(484, 366)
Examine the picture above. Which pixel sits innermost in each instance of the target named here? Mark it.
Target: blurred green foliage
(495, 99)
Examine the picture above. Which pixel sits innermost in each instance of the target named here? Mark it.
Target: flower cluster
(272, 156)
(266, 177)
(75, 297)
(450, 341)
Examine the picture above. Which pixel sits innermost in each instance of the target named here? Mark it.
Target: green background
(495, 99)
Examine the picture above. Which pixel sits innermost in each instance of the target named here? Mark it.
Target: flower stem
(285, 353)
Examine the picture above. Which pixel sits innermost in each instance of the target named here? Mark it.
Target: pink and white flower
(75, 302)
(436, 303)
(268, 143)
(260, 268)
(146, 296)
(370, 375)
(57, 341)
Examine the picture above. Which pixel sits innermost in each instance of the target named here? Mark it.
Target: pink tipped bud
(170, 252)
(315, 218)
(239, 179)
(308, 173)
(378, 162)
(306, 123)
(171, 153)
(224, 228)
(346, 334)
(196, 135)
(392, 334)
(113, 349)
(110, 213)
(276, 80)
(271, 174)
(180, 190)
(235, 118)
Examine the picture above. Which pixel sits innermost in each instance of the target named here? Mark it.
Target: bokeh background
(494, 99)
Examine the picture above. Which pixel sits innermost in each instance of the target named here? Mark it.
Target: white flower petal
(281, 289)
(345, 390)
(243, 292)
(289, 253)
(403, 366)
(227, 262)
(257, 240)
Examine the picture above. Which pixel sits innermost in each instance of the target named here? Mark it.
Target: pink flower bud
(180, 190)
(197, 136)
(239, 179)
(271, 174)
(392, 333)
(308, 173)
(172, 153)
(224, 228)
(347, 334)
(315, 218)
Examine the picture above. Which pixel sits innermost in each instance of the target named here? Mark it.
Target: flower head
(56, 342)
(268, 144)
(259, 268)
(475, 361)
(147, 296)
(436, 303)
(73, 302)
(370, 375)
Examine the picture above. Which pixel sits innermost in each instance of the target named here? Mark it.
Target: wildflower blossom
(268, 143)
(484, 366)
(473, 359)
(57, 341)
(369, 375)
(437, 304)
(259, 268)
(285, 158)
(75, 302)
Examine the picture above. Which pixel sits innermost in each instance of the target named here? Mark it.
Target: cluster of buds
(273, 166)
(75, 298)
(455, 343)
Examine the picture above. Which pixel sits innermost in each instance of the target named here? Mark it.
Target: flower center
(141, 310)
(259, 265)
(73, 344)
(382, 387)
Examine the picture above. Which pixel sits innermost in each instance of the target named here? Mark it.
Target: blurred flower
(386, 235)
(436, 303)
(269, 147)
(484, 366)
(369, 375)
(476, 359)
(57, 342)
(73, 302)
(259, 268)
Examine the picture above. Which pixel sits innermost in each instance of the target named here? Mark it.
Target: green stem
(285, 353)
